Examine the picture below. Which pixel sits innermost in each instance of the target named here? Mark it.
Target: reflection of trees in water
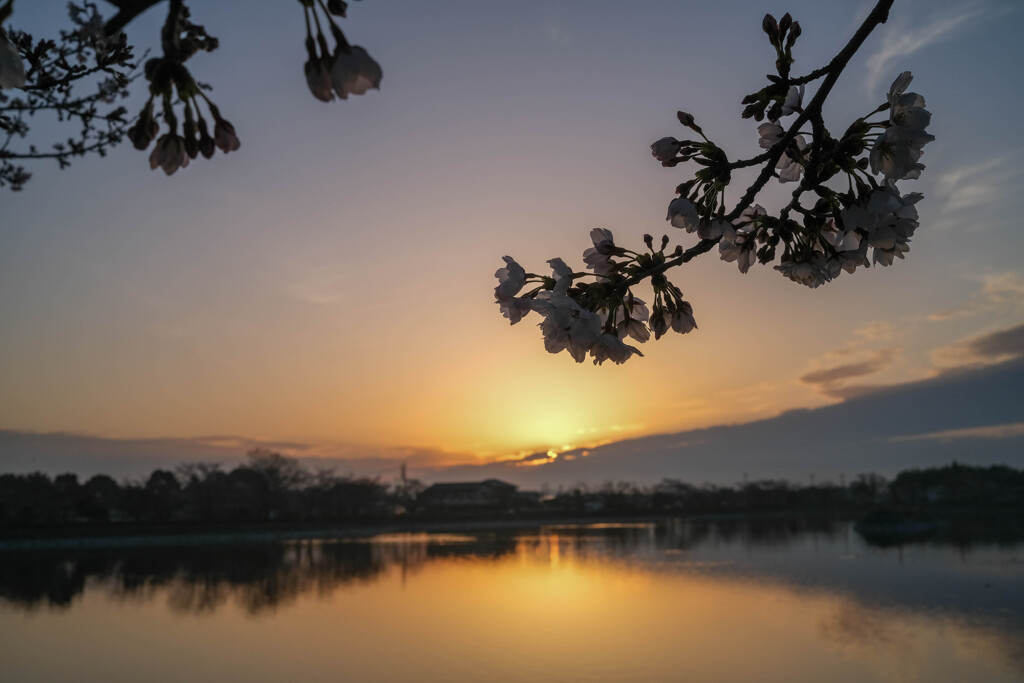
(200, 580)
(647, 540)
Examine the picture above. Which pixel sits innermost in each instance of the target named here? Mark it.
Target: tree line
(268, 487)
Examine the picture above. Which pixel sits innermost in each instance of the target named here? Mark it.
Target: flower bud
(659, 323)
(687, 120)
(649, 241)
(151, 67)
(139, 136)
(190, 136)
(224, 136)
(771, 27)
(337, 7)
(794, 33)
(684, 188)
(665, 149)
(145, 129)
(206, 144)
(785, 22)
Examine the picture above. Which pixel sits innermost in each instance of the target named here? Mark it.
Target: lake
(754, 600)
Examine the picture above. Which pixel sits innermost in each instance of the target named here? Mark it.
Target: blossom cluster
(178, 121)
(836, 233)
(168, 76)
(595, 318)
(346, 70)
(842, 229)
(173, 150)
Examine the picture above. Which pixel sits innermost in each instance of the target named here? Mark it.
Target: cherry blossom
(511, 279)
(354, 72)
(12, 69)
(794, 100)
(607, 347)
(683, 214)
(665, 149)
(169, 153)
(597, 257)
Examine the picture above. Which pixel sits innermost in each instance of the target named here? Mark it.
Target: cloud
(830, 380)
(983, 349)
(56, 452)
(1001, 345)
(1003, 291)
(899, 41)
(949, 314)
(321, 285)
(862, 434)
(876, 330)
(1003, 431)
(1007, 288)
(968, 187)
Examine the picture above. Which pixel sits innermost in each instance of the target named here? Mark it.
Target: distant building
(492, 495)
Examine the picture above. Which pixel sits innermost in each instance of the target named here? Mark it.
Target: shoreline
(170, 535)
(954, 522)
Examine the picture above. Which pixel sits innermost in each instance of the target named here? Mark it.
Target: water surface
(681, 601)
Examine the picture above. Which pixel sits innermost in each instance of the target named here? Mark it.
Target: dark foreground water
(736, 601)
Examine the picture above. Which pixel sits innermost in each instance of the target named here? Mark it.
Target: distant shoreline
(142, 536)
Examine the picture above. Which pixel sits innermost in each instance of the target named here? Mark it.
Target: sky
(328, 288)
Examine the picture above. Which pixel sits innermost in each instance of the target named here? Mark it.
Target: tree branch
(878, 15)
(128, 10)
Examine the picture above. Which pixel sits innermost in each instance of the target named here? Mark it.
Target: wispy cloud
(1004, 431)
(831, 381)
(968, 187)
(1005, 289)
(876, 330)
(950, 313)
(321, 285)
(1003, 292)
(983, 349)
(900, 41)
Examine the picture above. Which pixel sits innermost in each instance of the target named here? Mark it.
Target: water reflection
(603, 602)
(198, 580)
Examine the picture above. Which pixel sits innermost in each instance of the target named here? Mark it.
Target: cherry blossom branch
(54, 68)
(831, 237)
(878, 15)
